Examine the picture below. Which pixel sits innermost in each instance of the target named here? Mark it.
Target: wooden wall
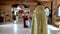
(7, 9)
(7, 12)
(54, 14)
(7, 6)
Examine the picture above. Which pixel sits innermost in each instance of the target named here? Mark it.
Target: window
(58, 10)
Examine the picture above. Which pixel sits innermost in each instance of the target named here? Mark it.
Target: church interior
(16, 15)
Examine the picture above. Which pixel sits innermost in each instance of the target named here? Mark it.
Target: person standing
(39, 21)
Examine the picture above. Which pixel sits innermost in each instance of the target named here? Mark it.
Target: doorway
(17, 12)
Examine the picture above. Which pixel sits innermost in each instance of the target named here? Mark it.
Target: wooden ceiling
(25, 0)
(31, 2)
(2, 1)
(43, 0)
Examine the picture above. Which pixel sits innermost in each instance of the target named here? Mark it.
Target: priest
(39, 21)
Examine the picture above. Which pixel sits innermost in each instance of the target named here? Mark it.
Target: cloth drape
(39, 21)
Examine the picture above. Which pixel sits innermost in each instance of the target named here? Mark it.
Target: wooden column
(54, 9)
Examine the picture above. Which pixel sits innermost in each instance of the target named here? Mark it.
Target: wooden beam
(17, 2)
(44, 0)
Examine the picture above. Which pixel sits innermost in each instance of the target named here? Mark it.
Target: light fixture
(19, 8)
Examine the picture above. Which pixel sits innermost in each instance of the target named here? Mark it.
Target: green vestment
(39, 21)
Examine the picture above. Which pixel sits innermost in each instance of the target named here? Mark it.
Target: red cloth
(21, 11)
(25, 18)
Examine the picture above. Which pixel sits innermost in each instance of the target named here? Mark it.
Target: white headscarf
(47, 12)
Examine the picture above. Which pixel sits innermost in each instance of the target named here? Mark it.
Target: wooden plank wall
(7, 6)
(54, 14)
